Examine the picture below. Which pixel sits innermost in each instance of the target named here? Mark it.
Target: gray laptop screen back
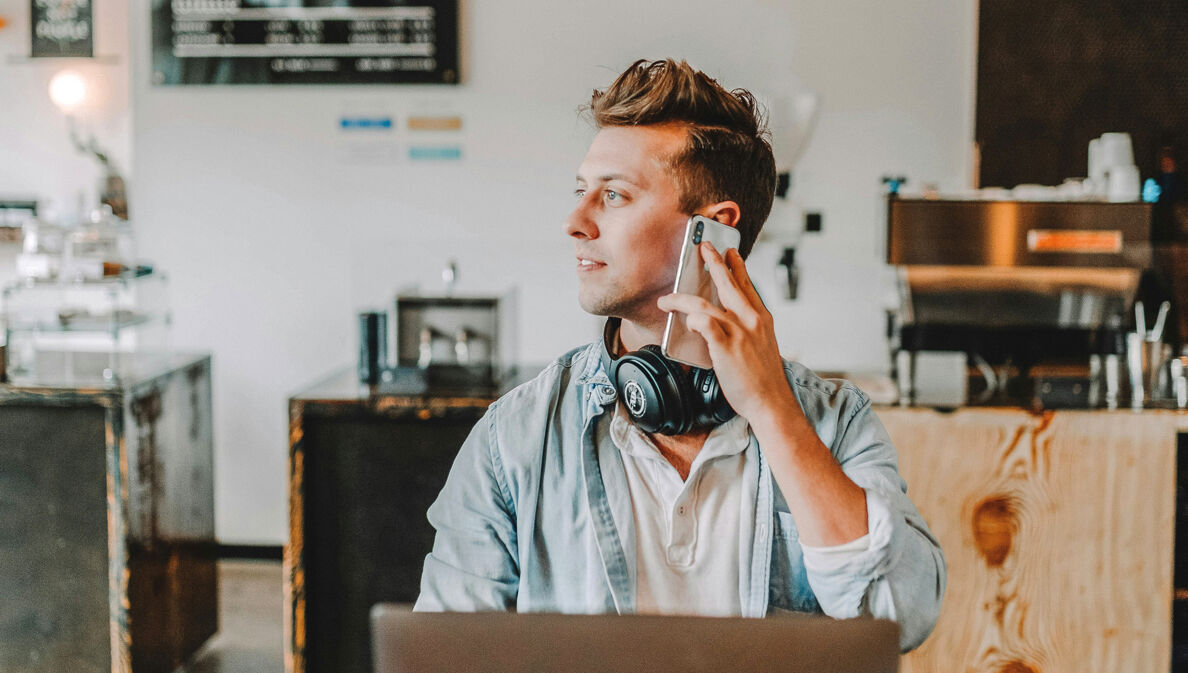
(407, 642)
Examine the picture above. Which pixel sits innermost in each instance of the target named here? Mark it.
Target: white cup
(1034, 193)
(1073, 188)
(1097, 167)
(1123, 184)
(1116, 150)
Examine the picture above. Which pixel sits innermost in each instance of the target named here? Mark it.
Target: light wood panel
(1058, 533)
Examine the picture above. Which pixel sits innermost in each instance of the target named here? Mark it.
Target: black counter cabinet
(107, 549)
(365, 463)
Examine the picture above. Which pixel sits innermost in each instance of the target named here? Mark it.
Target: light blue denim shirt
(536, 516)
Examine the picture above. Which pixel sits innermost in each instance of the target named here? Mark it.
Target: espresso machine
(1023, 303)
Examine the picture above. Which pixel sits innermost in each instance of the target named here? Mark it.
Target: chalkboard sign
(305, 42)
(61, 28)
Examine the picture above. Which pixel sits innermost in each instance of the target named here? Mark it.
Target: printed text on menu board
(296, 42)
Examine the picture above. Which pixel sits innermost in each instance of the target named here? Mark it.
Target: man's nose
(580, 224)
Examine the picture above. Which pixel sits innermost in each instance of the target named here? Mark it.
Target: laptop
(497, 642)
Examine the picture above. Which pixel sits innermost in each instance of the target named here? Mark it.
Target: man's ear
(726, 212)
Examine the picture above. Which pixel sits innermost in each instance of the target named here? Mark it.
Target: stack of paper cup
(1112, 172)
(1097, 167)
(1123, 183)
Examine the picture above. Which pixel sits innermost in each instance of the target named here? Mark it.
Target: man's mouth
(589, 264)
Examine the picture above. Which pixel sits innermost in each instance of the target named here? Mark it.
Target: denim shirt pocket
(790, 588)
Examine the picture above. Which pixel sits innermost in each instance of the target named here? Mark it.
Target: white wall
(37, 159)
(897, 80)
(273, 240)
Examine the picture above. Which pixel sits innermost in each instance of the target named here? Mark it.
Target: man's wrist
(776, 415)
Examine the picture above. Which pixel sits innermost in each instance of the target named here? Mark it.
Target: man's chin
(600, 306)
(598, 310)
(635, 310)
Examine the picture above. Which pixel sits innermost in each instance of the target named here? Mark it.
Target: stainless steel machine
(1023, 303)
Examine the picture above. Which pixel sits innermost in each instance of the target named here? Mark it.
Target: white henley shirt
(687, 530)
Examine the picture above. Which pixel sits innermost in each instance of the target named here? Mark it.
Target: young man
(559, 502)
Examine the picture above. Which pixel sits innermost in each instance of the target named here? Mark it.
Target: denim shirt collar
(595, 381)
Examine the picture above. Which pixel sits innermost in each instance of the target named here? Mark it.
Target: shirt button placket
(684, 534)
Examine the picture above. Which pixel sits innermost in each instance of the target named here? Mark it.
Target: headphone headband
(609, 331)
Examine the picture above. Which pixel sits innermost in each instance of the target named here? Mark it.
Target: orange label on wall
(1075, 240)
(446, 123)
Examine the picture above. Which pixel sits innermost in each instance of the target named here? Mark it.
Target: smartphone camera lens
(697, 232)
(697, 237)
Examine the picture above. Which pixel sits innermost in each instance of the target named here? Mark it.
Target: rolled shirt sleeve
(900, 573)
(824, 558)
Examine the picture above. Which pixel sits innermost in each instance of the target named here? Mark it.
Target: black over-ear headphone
(658, 393)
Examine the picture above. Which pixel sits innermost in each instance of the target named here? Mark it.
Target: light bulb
(68, 90)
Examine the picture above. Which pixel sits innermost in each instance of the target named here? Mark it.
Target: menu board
(61, 28)
(305, 42)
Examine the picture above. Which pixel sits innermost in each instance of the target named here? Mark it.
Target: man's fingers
(742, 279)
(728, 290)
(690, 304)
(712, 330)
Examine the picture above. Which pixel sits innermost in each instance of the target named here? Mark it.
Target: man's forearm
(829, 508)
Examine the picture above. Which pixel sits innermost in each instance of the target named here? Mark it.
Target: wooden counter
(1058, 532)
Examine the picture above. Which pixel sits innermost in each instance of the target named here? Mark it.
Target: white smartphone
(680, 343)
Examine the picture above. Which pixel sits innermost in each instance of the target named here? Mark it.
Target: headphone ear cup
(655, 391)
(709, 403)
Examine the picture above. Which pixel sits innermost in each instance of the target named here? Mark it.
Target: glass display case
(83, 333)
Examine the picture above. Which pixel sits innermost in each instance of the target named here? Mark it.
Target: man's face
(627, 225)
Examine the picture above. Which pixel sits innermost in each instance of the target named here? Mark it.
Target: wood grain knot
(1017, 667)
(994, 527)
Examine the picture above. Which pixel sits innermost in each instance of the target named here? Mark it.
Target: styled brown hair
(727, 155)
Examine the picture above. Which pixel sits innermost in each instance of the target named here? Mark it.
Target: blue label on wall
(365, 123)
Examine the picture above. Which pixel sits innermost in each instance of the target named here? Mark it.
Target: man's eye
(612, 195)
(579, 193)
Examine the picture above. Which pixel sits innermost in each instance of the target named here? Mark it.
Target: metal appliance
(1036, 295)
(453, 340)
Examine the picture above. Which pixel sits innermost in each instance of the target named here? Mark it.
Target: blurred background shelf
(75, 333)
